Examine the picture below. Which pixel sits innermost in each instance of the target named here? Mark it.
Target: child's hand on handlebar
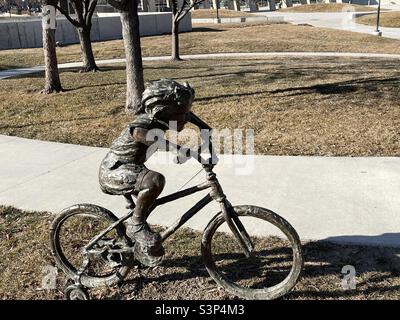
(183, 155)
(214, 159)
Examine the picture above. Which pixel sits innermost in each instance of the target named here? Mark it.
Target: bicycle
(102, 243)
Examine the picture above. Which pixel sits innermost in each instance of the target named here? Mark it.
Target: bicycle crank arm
(107, 230)
(122, 251)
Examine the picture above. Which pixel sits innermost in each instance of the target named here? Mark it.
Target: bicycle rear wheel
(275, 264)
(73, 229)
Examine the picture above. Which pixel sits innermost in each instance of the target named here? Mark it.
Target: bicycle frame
(215, 193)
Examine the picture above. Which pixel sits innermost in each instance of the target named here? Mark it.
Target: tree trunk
(89, 63)
(175, 40)
(53, 83)
(133, 53)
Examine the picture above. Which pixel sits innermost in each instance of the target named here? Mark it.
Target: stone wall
(19, 34)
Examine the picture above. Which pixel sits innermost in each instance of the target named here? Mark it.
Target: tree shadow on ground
(113, 112)
(248, 73)
(105, 68)
(97, 85)
(341, 87)
(205, 29)
(7, 67)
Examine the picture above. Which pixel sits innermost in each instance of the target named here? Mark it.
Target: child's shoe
(148, 246)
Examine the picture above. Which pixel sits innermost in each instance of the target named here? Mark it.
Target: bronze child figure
(166, 106)
(123, 170)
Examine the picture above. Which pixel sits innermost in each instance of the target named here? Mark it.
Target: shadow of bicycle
(377, 269)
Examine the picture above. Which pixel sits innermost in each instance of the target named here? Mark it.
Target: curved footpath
(23, 71)
(333, 20)
(341, 199)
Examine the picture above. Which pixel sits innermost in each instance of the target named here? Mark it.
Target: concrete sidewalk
(342, 199)
(333, 20)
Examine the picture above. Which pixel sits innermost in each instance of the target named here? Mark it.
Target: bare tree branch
(66, 14)
(116, 4)
(78, 7)
(86, 7)
(124, 3)
(91, 9)
(184, 3)
(180, 17)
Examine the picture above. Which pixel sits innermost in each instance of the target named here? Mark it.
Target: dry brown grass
(387, 19)
(24, 253)
(297, 106)
(328, 7)
(222, 13)
(222, 38)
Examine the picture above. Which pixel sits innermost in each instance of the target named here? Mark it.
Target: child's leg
(149, 189)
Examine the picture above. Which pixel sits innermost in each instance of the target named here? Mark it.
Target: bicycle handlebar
(213, 160)
(205, 133)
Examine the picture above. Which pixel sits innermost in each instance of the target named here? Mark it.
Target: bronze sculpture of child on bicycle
(166, 105)
(123, 170)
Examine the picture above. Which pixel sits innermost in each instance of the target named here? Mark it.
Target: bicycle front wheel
(276, 261)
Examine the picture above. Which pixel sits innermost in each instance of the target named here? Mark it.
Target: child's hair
(166, 93)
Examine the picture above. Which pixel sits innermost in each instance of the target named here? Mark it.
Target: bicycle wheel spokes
(73, 229)
(269, 264)
(75, 233)
(275, 264)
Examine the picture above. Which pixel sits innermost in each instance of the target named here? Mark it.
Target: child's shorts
(118, 178)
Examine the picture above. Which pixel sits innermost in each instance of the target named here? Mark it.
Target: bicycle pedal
(114, 264)
(114, 260)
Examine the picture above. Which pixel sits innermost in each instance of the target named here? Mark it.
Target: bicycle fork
(237, 228)
(230, 216)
